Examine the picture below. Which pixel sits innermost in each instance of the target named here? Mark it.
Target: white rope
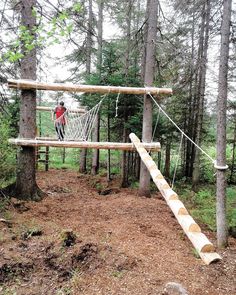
(196, 145)
(157, 120)
(79, 127)
(177, 160)
(117, 101)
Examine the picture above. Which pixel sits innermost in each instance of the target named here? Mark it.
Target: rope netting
(70, 125)
(79, 127)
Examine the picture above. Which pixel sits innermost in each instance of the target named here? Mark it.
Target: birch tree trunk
(222, 233)
(152, 8)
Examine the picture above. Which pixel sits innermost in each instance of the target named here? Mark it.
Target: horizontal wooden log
(82, 144)
(49, 109)
(28, 84)
(190, 227)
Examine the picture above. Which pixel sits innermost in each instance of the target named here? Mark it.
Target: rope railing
(184, 134)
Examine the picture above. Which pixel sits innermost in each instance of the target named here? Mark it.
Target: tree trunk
(144, 187)
(108, 139)
(203, 47)
(167, 160)
(96, 137)
(95, 160)
(233, 155)
(83, 153)
(124, 164)
(189, 125)
(26, 187)
(100, 36)
(222, 233)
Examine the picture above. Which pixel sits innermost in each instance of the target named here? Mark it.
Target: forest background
(187, 57)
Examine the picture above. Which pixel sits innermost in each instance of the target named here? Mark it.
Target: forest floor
(124, 244)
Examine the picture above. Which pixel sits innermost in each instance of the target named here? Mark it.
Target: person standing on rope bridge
(60, 120)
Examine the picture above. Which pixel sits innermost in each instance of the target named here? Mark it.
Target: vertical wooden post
(47, 158)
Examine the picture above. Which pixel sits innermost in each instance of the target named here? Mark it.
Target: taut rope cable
(157, 120)
(197, 146)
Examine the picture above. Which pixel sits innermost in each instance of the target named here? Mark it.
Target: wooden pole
(47, 158)
(203, 246)
(83, 144)
(49, 109)
(28, 84)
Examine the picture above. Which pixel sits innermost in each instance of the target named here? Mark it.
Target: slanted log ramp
(200, 242)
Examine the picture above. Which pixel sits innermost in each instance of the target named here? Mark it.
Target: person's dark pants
(60, 129)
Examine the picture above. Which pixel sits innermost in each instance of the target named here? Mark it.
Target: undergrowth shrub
(7, 153)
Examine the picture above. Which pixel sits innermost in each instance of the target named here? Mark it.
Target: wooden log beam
(201, 243)
(49, 109)
(83, 144)
(28, 84)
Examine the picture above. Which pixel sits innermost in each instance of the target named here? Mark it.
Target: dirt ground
(85, 238)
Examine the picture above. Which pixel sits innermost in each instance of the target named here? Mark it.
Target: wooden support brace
(201, 243)
(28, 84)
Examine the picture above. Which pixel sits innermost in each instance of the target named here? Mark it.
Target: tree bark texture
(222, 233)
(167, 160)
(203, 48)
(26, 187)
(233, 155)
(96, 137)
(144, 186)
(89, 41)
(124, 164)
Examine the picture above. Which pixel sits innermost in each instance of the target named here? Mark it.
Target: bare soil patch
(79, 241)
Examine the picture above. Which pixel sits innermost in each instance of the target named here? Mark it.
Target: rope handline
(196, 145)
(117, 101)
(157, 120)
(209, 157)
(177, 160)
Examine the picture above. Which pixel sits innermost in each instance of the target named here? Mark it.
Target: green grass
(202, 205)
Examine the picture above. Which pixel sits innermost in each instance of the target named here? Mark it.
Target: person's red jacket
(59, 111)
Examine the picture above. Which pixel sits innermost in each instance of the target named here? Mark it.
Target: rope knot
(218, 167)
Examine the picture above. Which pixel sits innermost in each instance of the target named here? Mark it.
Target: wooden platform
(154, 147)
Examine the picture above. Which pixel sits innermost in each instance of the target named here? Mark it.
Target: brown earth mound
(79, 241)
